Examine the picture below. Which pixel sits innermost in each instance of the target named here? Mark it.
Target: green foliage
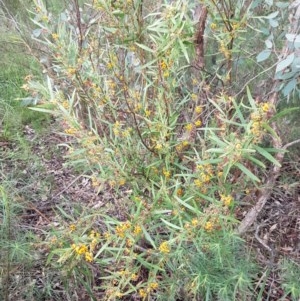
(290, 275)
(175, 146)
(14, 246)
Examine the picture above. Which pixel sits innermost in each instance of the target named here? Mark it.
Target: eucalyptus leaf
(37, 32)
(272, 15)
(273, 23)
(289, 87)
(262, 56)
(285, 63)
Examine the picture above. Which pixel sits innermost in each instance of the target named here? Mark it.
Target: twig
(62, 191)
(39, 212)
(291, 143)
(261, 241)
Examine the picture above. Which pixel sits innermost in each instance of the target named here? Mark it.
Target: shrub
(176, 150)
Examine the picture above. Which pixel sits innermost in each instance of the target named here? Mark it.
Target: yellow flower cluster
(117, 128)
(198, 123)
(226, 199)
(204, 176)
(71, 71)
(213, 26)
(164, 247)
(151, 287)
(189, 127)
(72, 228)
(122, 229)
(166, 173)
(182, 145)
(208, 226)
(224, 50)
(194, 96)
(54, 36)
(71, 131)
(82, 250)
(142, 293)
(257, 119)
(137, 230)
(198, 109)
(94, 236)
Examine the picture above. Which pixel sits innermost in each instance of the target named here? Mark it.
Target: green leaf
(255, 161)
(285, 63)
(247, 172)
(289, 87)
(171, 225)
(65, 214)
(239, 112)
(272, 15)
(215, 150)
(145, 47)
(295, 38)
(185, 204)
(262, 56)
(38, 109)
(265, 154)
(183, 48)
(284, 113)
(148, 237)
(147, 264)
(251, 100)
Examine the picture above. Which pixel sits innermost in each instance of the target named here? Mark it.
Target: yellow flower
(194, 96)
(226, 199)
(185, 143)
(198, 123)
(158, 146)
(164, 247)
(110, 65)
(142, 293)
(129, 242)
(194, 222)
(45, 18)
(71, 131)
(198, 182)
(153, 285)
(72, 227)
(189, 127)
(163, 65)
(147, 113)
(54, 36)
(265, 107)
(137, 230)
(166, 74)
(71, 71)
(134, 277)
(208, 226)
(107, 235)
(119, 294)
(198, 109)
(166, 173)
(88, 256)
(179, 192)
(213, 26)
(122, 182)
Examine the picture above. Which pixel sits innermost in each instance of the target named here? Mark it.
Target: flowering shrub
(147, 125)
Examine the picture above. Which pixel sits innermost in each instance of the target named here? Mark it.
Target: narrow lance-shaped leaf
(265, 154)
(247, 172)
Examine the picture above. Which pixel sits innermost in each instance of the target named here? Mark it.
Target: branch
(266, 191)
